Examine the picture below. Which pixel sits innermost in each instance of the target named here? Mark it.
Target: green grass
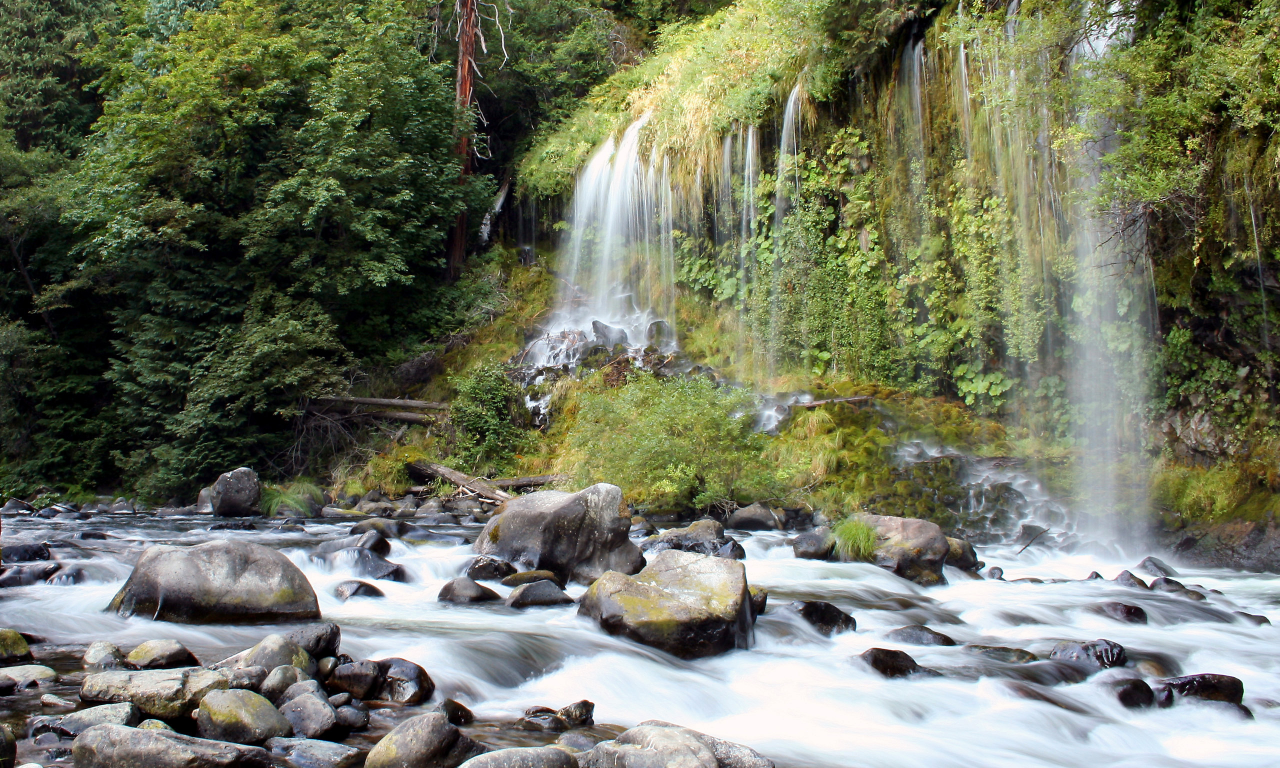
(296, 497)
(855, 540)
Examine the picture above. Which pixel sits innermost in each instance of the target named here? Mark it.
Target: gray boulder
(425, 741)
(913, 549)
(271, 652)
(538, 594)
(366, 562)
(280, 680)
(817, 544)
(961, 554)
(353, 588)
(162, 654)
(319, 640)
(358, 678)
(464, 590)
(706, 537)
(1098, 654)
(31, 675)
(102, 655)
(524, 757)
(578, 536)
(107, 714)
(654, 743)
(116, 746)
(404, 682)
(8, 746)
(216, 582)
(370, 540)
(756, 517)
(247, 678)
(161, 693)
(241, 717)
(490, 569)
(311, 716)
(235, 494)
(311, 753)
(686, 604)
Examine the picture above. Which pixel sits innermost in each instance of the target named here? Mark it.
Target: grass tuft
(855, 540)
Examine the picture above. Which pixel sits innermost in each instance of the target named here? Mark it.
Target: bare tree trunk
(466, 70)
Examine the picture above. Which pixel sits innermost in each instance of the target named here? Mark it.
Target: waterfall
(619, 260)
(786, 190)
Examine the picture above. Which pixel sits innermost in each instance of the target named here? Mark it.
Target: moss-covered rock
(13, 647)
(161, 693)
(425, 741)
(913, 549)
(241, 717)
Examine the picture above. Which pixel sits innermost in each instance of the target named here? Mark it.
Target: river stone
(1157, 567)
(102, 655)
(162, 654)
(1133, 693)
(392, 529)
(817, 544)
(654, 744)
(235, 494)
(756, 517)
(918, 634)
(370, 540)
(369, 564)
(310, 715)
(404, 682)
(486, 568)
(1002, 653)
(1126, 579)
(13, 647)
(706, 537)
(425, 741)
(578, 741)
(31, 675)
(24, 553)
(247, 678)
(1207, 687)
(7, 685)
(155, 725)
(161, 693)
(280, 680)
(114, 714)
(278, 651)
(1100, 654)
(358, 678)
(312, 753)
(115, 746)
(320, 640)
(913, 549)
(889, 663)
(455, 712)
(542, 719)
(578, 536)
(353, 716)
(8, 747)
(464, 590)
(241, 717)
(524, 757)
(538, 594)
(304, 687)
(686, 604)
(1130, 614)
(220, 582)
(825, 617)
(961, 554)
(353, 588)
(529, 577)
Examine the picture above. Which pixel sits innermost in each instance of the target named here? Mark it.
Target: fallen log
(473, 484)
(385, 403)
(833, 401)
(412, 418)
(528, 482)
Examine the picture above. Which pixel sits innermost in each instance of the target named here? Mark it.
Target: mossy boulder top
(913, 549)
(577, 536)
(13, 647)
(217, 582)
(686, 604)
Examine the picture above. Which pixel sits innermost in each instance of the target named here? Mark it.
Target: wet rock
(162, 654)
(349, 589)
(889, 663)
(279, 680)
(1047, 695)
(912, 549)
(102, 655)
(1001, 653)
(26, 575)
(524, 757)
(311, 716)
(578, 536)
(529, 577)
(1133, 693)
(24, 553)
(275, 651)
(241, 717)
(1099, 654)
(706, 537)
(319, 640)
(404, 682)
(391, 529)
(1157, 567)
(115, 746)
(542, 719)
(995, 573)
(918, 634)
(8, 744)
(161, 693)
(312, 753)
(436, 518)
(352, 717)
(756, 517)
(217, 582)
(759, 597)
(489, 569)
(31, 675)
(247, 678)
(155, 725)
(370, 564)
(371, 540)
(817, 544)
(1206, 687)
(464, 590)
(1252, 618)
(579, 714)
(538, 594)
(13, 647)
(49, 700)
(235, 525)
(578, 741)
(1130, 614)
(825, 617)
(358, 678)
(74, 724)
(686, 604)
(1163, 584)
(961, 554)
(1127, 579)
(655, 743)
(455, 712)
(1029, 534)
(7, 685)
(425, 741)
(235, 494)
(303, 688)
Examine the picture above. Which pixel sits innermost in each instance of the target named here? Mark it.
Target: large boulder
(817, 544)
(706, 537)
(117, 746)
(757, 517)
(235, 494)
(242, 717)
(686, 604)
(655, 743)
(913, 549)
(578, 536)
(77, 723)
(425, 741)
(217, 582)
(160, 693)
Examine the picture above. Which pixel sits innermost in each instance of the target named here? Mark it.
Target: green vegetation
(299, 498)
(855, 540)
(487, 413)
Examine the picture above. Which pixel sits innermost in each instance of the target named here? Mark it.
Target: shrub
(489, 414)
(671, 445)
(855, 540)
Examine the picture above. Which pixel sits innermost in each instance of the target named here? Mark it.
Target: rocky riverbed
(1046, 659)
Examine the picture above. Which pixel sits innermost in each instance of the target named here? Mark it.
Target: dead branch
(473, 484)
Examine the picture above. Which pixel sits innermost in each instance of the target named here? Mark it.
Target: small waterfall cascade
(618, 259)
(787, 190)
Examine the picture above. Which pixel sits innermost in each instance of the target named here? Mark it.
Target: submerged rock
(115, 746)
(13, 647)
(1002, 653)
(366, 562)
(825, 617)
(425, 741)
(1223, 688)
(1130, 614)
(312, 753)
(913, 549)
(1099, 654)
(371, 540)
(216, 582)
(890, 663)
(577, 536)
(686, 604)
(1133, 693)
(524, 757)
(918, 634)
(349, 589)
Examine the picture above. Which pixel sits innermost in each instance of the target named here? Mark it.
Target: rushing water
(796, 696)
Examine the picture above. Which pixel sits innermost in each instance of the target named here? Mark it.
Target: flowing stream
(798, 697)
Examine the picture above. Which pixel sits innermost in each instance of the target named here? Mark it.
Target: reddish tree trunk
(466, 71)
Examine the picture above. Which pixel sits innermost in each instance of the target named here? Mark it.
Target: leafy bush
(488, 413)
(671, 445)
(855, 540)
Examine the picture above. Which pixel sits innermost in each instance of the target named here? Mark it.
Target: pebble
(49, 700)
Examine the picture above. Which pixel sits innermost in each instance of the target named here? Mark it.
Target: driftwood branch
(385, 403)
(832, 401)
(475, 485)
(424, 419)
(534, 481)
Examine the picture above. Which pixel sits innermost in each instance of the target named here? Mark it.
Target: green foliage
(488, 413)
(297, 498)
(671, 445)
(855, 540)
